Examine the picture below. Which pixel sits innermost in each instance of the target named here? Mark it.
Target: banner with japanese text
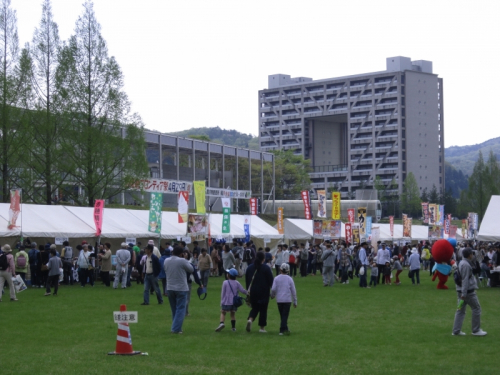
(375, 236)
(391, 225)
(464, 228)
(336, 229)
(98, 216)
(350, 215)
(246, 226)
(433, 212)
(348, 232)
(355, 235)
(321, 203)
(253, 206)
(158, 185)
(441, 215)
(362, 220)
(281, 225)
(453, 231)
(368, 225)
(404, 217)
(199, 194)
(447, 224)
(407, 227)
(425, 212)
(14, 208)
(307, 204)
(226, 215)
(182, 206)
(155, 205)
(317, 227)
(336, 205)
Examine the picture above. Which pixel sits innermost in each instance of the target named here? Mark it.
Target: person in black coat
(259, 280)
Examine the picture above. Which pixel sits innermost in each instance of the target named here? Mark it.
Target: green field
(338, 330)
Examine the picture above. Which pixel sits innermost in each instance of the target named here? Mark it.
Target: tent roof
(489, 229)
(258, 227)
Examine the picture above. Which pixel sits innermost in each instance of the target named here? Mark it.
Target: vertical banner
(321, 203)
(441, 215)
(156, 204)
(348, 232)
(355, 235)
(246, 227)
(317, 227)
(368, 225)
(362, 221)
(432, 213)
(350, 215)
(447, 224)
(182, 206)
(253, 206)
(453, 231)
(199, 195)
(336, 205)
(464, 228)
(307, 204)
(336, 229)
(405, 218)
(98, 216)
(375, 236)
(281, 228)
(407, 227)
(226, 215)
(425, 212)
(391, 225)
(15, 208)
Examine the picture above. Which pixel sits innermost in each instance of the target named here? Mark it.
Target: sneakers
(13, 300)
(47, 294)
(220, 327)
(479, 333)
(249, 325)
(262, 330)
(281, 333)
(458, 334)
(233, 329)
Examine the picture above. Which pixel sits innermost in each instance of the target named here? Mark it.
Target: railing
(329, 168)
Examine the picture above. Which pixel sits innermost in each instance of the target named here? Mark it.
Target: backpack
(21, 261)
(4, 263)
(291, 259)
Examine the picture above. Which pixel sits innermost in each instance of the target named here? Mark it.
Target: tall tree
(9, 57)
(410, 199)
(434, 195)
(106, 141)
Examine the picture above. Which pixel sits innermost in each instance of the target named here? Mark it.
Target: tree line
(67, 131)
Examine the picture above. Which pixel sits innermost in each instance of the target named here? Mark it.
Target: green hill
(464, 157)
(227, 137)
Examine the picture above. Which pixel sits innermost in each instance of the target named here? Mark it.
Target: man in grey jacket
(363, 260)
(122, 259)
(328, 265)
(467, 296)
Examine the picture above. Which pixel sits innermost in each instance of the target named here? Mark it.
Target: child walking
(374, 275)
(284, 290)
(398, 267)
(230, 288)
(387, 273)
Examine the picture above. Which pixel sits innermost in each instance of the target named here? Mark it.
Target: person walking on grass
(398, 267)
(122, 260)
(152, 270)
(374, 275)
(283, 290)
(230, 289)
(363, 262)
(467, 296)
(414, 261)
(21, 262)
(328, 265)
(259, 280)
(204, 265)
(7, 272)
(54, 264)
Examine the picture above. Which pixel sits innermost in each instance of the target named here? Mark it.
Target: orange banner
(281, 228)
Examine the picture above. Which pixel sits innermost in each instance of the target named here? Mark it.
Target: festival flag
(317, 227)
(253, 206)
(98, 216)
(391, 225)
(307, 204)
(441, 215)
(425, 212)
(409, 222)
(447, 224)
(321, 203)
(15, 208)
(199, 195)
(355, 235)
(335, 229)
(350, 215)
(156, 204)
(182, 206)
(336, 205)
(246, 226)
(348, 232)
(432, 214)
(368, 225)
(464, 228)
(281, 228)
(362, 220)
(453, 231)
(226, 215)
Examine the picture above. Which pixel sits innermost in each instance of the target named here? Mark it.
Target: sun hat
(6, 249)
(285, 267)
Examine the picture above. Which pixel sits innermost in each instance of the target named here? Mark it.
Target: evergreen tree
(424, 197)
(434, 195)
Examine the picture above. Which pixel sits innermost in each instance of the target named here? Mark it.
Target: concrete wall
(328, 141)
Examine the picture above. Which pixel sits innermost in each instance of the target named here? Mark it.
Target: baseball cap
(232, 272)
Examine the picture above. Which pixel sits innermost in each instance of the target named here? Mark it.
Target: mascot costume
(442, 252)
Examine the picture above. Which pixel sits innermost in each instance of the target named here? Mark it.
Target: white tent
(489, 229)
(298, 229)
(258, 227)
(170, 226)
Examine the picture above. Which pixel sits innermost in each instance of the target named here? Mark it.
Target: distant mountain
(455, 180)
(463, 158)
(226, 137)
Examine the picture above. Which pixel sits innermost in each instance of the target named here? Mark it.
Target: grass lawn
(338, 330)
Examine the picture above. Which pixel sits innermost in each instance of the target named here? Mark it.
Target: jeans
(373, 280)
(473, 302)
(119, 275)
(54, 280)
(151, 280)
(415, 273)
(34, 275)
(177, 301)
(128, 275)
(344, 269)
(205, 274)
(328, 276)
(284, 309)
(380, 273)
(188, 298)
(293, 269)
(86, 274)
(67, 272)
(362, 278)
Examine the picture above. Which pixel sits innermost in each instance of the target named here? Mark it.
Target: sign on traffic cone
(123, 338)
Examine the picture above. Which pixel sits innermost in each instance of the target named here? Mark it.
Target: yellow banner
(336, 205)
(199, 193)
(281, 228)
(362, 220)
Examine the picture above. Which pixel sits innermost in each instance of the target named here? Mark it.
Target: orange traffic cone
(123, 339)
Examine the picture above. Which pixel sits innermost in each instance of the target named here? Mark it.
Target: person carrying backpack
(21, 262)
(34, 257)
(7, 272)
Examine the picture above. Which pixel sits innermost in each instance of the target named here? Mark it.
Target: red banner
(253, 206)
(453, 231)
(425, 212)
(15, 208)
(307, 204)
(391, 225)
(182, 206)
(98, 215)
(350, 215)
(348, 232)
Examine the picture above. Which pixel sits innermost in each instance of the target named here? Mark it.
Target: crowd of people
(171, 270)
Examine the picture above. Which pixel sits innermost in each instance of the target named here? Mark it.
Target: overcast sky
(195, 63)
